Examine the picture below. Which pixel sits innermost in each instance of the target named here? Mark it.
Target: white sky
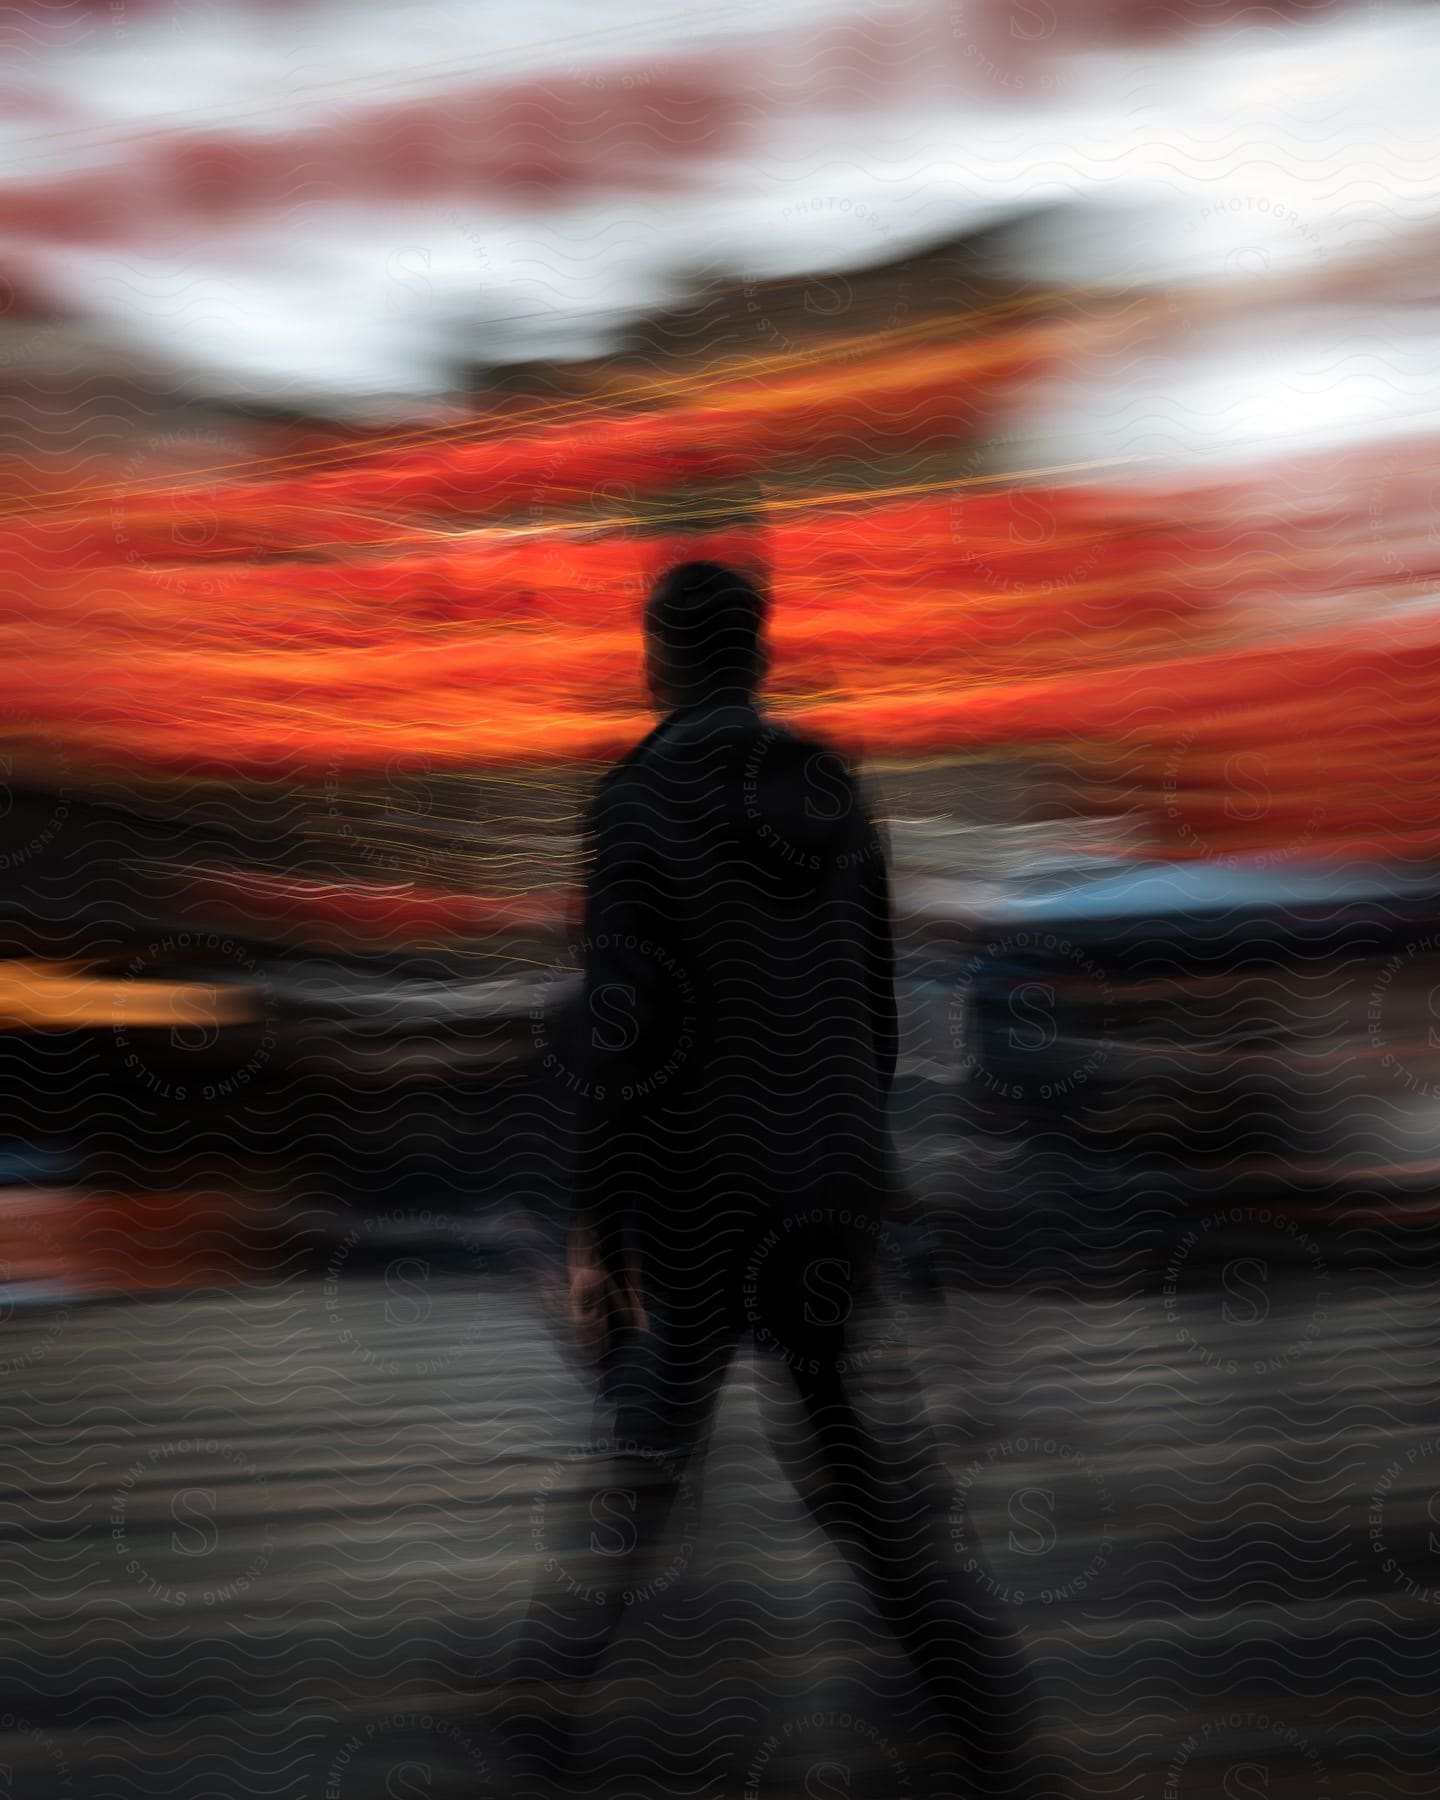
(1241, 157)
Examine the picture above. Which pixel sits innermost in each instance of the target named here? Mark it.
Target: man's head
(704, 636)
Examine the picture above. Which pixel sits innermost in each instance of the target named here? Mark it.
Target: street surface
(276, 1542)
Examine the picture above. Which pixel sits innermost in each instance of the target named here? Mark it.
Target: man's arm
(880, 971)
(620, 1006)
(915, 1230)
(879, 944)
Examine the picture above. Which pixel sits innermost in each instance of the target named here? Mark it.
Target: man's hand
(914, 1233)
(919, 1246)
(598, 1303)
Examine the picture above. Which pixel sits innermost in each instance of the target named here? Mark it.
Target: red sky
(199, 606)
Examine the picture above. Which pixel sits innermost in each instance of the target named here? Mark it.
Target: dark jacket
(737, 1020)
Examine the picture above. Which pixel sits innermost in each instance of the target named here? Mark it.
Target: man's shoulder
(742, 747)
(628, 791)
(623, 780)
(625, 767)
(688, 737)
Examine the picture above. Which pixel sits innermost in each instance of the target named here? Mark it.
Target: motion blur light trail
(473, 597)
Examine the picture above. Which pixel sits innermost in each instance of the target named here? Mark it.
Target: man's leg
(602, 1519)
(885, 1508)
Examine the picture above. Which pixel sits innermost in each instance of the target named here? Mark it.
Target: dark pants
(884, 1504)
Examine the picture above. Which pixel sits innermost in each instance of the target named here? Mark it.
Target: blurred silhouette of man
(735, 1174)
